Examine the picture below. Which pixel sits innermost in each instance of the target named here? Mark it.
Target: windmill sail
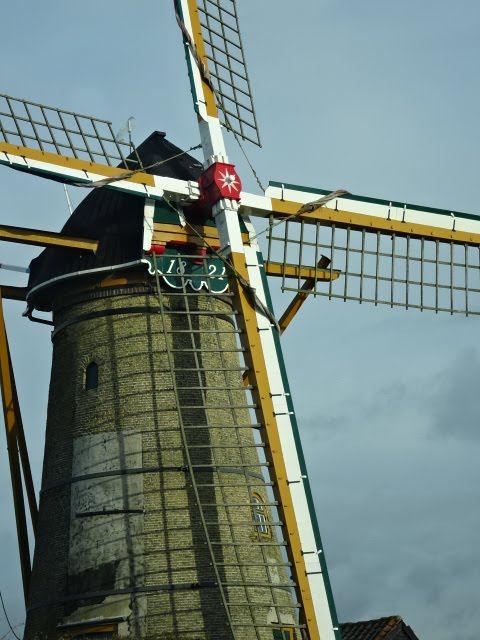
(66, 133)
(217, 66)
(388, 253)
(77, 149)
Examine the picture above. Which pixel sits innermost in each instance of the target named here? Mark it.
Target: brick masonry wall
(146, 563)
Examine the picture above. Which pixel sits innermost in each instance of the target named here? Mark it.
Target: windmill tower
(156, 515)
(174, 497)
(166, 503)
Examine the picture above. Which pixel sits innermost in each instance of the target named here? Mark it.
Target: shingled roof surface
(390, 628)
(112, 217)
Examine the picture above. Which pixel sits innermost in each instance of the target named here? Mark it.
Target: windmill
(294, 239)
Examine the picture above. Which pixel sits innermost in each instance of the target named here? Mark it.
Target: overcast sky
(378, 97)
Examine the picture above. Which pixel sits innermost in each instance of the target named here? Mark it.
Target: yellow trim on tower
(282, 208)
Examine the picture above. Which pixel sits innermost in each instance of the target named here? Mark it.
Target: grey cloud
(10, 587)
(454, 398)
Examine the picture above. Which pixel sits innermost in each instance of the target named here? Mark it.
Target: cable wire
(12, 630)
(207, 78)
(257, 302)
(309, 207)
(128, 174)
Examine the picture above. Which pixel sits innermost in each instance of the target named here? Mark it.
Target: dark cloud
(396, 506)
(10, 587)
(454, 398)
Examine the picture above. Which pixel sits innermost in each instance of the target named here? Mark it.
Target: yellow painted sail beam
(283, 269)
(297, 302)
(283, 209)
(14, 293)
(262, 396)
(42, 238)
(66, 162)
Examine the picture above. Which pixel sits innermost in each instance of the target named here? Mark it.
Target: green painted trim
(164, 213)
(301, 458)
(386, 203)
(189, 66)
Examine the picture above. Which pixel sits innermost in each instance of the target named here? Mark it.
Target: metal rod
(377, 264)
(7, 384)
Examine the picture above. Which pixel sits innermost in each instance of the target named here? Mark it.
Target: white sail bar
(385, 215)
(82, 172)
(203, 90)
(77, 149)
(262, 366)
(296, 478)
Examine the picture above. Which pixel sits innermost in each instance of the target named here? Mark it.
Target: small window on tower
(282, 633)
(259, 516)
(91, 376)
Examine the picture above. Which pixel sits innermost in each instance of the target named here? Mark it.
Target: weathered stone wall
(146, 564)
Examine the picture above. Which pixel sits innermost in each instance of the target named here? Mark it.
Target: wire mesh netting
(226, 63)
(382, 268)
(34, 125)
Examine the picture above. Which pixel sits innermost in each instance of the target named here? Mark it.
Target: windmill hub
(217, 182)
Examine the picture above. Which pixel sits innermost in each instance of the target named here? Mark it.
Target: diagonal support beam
(42, 238)
(17, 456)
(295, 305)
(14, 293)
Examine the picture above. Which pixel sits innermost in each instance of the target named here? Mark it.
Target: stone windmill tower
(157, 517)
(175, 501)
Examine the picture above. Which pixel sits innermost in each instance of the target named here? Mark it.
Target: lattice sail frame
(38, 126)
(80, 150)
(386, 253)
(214, 30)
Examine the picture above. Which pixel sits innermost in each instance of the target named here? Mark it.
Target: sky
(377, 97)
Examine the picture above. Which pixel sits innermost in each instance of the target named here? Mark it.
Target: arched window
(91, 376)
(259, 517)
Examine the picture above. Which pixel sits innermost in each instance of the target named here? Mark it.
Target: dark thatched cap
(113, 218)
